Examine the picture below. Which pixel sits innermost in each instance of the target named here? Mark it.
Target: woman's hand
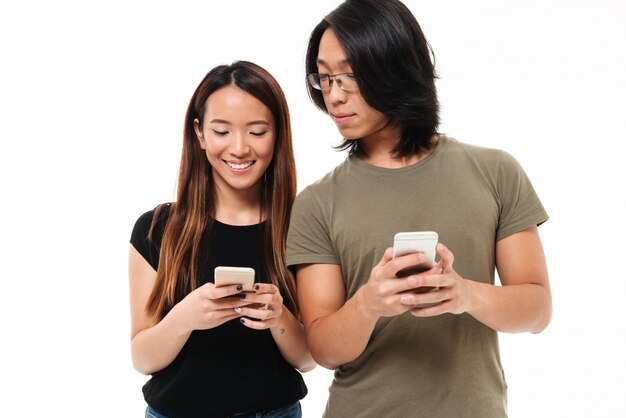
(266, 311)
(265, 305)
(209, 306)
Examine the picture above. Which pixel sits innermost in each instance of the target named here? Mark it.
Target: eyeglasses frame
(330, 85)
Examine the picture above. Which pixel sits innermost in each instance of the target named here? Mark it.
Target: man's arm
(338, 330)
(522, 304)
(524, 301)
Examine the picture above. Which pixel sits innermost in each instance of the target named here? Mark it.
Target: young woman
(219, 351)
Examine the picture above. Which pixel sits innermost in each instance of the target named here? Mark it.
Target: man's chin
(348, 135)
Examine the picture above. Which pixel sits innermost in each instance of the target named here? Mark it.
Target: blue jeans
(290, 411)
(151, 413)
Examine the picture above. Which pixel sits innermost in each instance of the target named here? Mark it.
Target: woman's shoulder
(143, 224)
(147, 239)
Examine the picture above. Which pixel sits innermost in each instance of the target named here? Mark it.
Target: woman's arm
(155, 344)
(286, 330)
(291, 341)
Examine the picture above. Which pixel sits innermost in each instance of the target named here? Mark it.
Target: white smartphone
(415, 242)
(225, 275)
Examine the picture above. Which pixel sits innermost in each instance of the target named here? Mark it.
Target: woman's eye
(219, 133)
(258, 133)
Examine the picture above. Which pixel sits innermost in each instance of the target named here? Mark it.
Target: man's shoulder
(481, 155)
(328, 181)
(454, 145)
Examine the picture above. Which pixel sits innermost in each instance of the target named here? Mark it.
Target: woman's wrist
(175, 321)
(280, 327)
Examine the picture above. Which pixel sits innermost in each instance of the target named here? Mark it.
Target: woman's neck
(238, 207)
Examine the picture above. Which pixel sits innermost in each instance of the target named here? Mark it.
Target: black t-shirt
(230, 368)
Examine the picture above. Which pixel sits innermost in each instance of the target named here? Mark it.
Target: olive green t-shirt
(445, 366)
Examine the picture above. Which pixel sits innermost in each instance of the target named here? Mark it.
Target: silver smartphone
(226, 275)
(416, 242)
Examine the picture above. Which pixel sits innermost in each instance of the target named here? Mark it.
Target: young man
(369, 68)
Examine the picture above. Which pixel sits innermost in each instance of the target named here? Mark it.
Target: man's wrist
(362, 308)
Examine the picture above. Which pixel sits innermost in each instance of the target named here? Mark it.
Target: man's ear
(196, 128)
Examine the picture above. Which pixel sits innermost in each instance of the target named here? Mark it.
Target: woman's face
(354, 118)
(238, 137)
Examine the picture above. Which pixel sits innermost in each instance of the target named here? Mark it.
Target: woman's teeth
(242, 166)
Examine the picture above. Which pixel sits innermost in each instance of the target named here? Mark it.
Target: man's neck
(377, 152)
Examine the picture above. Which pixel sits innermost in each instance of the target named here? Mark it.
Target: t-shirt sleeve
(520, 207)
(149, 248)
(308, 240)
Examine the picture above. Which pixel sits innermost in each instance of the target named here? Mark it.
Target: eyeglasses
(346, 82)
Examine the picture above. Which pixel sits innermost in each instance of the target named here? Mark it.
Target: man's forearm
(342, 336)
(514, 308)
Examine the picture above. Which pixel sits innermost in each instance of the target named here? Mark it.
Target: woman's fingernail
(239, 288)
(243, 321)
(257, 287)
(238, 310)
(242, 296)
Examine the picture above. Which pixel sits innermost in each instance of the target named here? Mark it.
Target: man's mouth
(342, 117)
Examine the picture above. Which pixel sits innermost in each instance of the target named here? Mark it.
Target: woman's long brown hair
(191, 216)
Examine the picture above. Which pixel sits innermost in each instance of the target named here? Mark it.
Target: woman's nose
(239, 145)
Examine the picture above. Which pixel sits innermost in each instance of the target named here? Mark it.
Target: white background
(92, 101)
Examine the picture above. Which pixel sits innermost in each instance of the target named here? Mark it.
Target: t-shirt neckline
(360, 164)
